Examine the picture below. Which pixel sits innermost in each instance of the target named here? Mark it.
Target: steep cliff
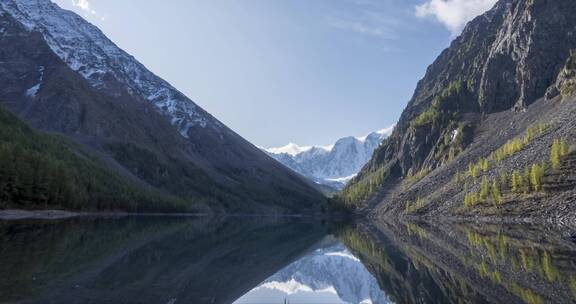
(503, 62)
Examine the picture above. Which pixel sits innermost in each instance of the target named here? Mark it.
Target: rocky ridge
(479, 93)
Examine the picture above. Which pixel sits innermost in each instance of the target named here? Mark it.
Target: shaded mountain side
(112, 118)
(445, 263)
(146, 260)
(504, 61)
(40, 171)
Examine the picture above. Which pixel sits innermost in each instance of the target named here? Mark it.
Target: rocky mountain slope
(333, 165)
(62, 75)
(483, 95)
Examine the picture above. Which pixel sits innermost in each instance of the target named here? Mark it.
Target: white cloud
(453, 14)
(84, 5)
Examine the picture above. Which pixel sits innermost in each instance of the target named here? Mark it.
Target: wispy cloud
(367, 17)
(360, 27)
(453, 14)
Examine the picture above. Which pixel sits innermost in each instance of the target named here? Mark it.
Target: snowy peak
(378, 134)
(294, 149)
(332, 165)
(387, 131)
(290, 149)
(85, 49)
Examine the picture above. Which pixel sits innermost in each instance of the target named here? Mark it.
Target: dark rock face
(566, 82)
(504, 60)
(128, 132)
(510, 55)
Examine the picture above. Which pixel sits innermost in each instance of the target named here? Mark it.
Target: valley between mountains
(489, 134)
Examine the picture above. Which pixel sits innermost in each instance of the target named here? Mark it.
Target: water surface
(265, 260)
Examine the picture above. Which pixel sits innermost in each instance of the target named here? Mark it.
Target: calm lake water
(263, 260)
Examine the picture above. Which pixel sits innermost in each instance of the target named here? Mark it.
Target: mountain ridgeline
(509, 76)
(334, 165)
(62, 76)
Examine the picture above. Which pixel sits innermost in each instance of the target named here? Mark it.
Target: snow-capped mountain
(332, 165)
(63, 75)
(328, 275)
(85, 49)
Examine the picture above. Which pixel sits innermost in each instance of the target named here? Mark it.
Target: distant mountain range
(62, 75)
(332, 165)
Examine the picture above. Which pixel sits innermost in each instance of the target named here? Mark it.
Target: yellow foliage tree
(472, 171)
(496, 194)
(484, 165)
(536, 175)
(555, 154)
(526, 178)
(484, 188)
(516, 182)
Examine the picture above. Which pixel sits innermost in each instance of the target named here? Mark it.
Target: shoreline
(19, 214)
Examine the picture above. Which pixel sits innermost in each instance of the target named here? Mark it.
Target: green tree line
(41, 171)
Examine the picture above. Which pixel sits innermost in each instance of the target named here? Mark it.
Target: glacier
(332, 165)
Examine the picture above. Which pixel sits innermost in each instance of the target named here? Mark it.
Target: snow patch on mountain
(85, 49)
(344, 179)
(383, 132)
(294, 149)
(332, 165)
(31, 92)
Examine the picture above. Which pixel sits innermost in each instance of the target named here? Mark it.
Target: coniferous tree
(555, 153)
(536, 175)
(526, 178)
(496, 194)
(564, 148)
(484, 188)
(516, 181)
(504, 179)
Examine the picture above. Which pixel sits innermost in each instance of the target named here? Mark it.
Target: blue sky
(279, 71)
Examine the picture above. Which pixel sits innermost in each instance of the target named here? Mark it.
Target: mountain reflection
(263, 260)
(145, 260)
(327, 275)
(457, 263)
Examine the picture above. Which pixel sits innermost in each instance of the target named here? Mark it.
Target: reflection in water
(207, 260)
(327, 275)
(145, 260)
(419, 263)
